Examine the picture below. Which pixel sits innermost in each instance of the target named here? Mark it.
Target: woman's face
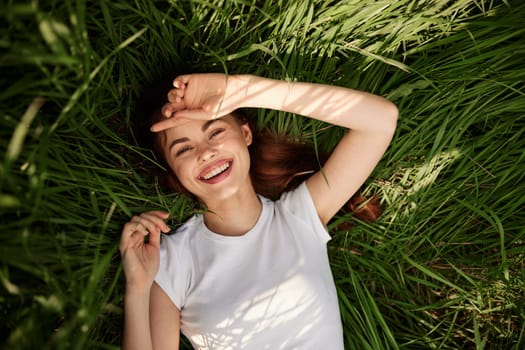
(210, 157)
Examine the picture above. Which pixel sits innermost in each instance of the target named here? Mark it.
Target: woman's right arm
(151, 320)
(164, 320)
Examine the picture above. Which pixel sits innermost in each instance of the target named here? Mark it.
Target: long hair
(278, 163)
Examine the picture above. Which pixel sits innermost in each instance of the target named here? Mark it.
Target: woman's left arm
(371, 121)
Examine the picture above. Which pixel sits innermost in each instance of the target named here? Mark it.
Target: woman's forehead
(187, 127)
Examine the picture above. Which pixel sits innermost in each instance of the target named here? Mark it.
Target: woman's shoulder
(296, 198)
(298, 206)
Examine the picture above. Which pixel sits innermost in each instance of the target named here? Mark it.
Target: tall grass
(442, 268)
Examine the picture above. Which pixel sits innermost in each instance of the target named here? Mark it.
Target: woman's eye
(183, 150)
(216, 132)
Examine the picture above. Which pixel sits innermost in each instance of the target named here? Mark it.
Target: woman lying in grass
(249, 273)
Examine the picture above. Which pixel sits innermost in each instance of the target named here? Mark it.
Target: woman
(249, 273)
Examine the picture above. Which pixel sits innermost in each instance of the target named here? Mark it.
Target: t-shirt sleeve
(173, 275)
(300, 203)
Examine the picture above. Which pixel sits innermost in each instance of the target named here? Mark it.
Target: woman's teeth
(216, 171)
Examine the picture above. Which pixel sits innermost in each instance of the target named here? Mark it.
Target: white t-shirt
(271, 288)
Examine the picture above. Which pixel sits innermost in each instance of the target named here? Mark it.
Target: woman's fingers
(154, 238)
(161, 214)
(204, 113)
(177, 113)
(174, 105)
(131, 234)
(180, 118)
(195, 96)
(175, 96)
(157, 220)
(150, 222)
(168, 123)
(163, 125)
(168, 110)
(140, 226)
(181, 81)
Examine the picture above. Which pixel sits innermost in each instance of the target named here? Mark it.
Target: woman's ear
(247, 133)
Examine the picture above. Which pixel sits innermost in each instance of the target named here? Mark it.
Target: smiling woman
(203, 153)
(249, 273)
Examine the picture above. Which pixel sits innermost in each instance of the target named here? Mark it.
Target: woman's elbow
(391, 113)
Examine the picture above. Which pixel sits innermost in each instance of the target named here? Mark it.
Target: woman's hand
(140, 259)
(202, 96)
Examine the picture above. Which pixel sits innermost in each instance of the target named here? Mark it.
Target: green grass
(444, 267)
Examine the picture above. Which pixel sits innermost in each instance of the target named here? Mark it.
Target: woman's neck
(235, 215)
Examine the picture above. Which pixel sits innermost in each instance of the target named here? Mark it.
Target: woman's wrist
(240, 87)
(137, 291)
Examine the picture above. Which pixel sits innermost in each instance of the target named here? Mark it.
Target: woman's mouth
(216, 172)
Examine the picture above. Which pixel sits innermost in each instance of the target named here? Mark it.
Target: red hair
(278, 163)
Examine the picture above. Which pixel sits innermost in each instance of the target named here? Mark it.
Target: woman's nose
(206, 152)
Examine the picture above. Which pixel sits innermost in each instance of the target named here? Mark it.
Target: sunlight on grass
(412, 180)
(19, 134)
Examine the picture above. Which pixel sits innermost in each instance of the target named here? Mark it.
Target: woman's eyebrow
(176, 141)
(185, 139)
(208, 123)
